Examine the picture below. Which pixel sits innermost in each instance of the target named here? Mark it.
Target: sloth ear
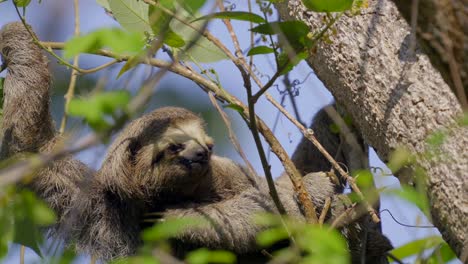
(133, 147)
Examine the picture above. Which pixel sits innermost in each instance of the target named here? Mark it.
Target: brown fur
(101, 212)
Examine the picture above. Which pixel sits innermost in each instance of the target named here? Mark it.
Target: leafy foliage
(236, 15)
(119, 41)
(328, 6)
(313, 244)
(98, 107)
(21, 216)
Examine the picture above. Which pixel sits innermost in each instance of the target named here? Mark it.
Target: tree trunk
(442, 29)
(396, 99)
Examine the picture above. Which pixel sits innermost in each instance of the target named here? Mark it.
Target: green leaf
(271, 236)
(260, 50)
(203, 255)
(6, 225)
(191, 6)
(286, 64)
(131, 14)
(170, 228)
(436, 139)
(328, 5)
(30, 213)
(322, 244)
(22, 3)
(293, 34)
(95, 108)
(416, 247)
(364, 179)
(132, 62)
(173, 40)
(117, 40)
(399, 158)
(443, 252)
(413, 196)
(235, 107)
(235, 15)
(273, 28)
(202, 51)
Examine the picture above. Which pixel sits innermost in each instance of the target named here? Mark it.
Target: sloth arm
(230, 223)
(27, 123)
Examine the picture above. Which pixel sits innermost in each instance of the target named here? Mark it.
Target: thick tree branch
(396, 100)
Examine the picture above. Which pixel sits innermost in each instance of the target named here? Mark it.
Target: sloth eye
(210, 147)
(175, 148)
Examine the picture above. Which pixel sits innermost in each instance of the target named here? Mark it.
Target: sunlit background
(52, 20)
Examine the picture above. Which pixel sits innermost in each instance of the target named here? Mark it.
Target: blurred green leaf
(328, 6)
(67, 257)
(416, 247)
(364, 179)
(169, 228)
(260, 50)
(191, 6)
(442, 254)
(136, 260)
(286, 64)
(94, 109)
(173, 40)
(130, 64)
(117, 40)
(292, 34)
(413, 196)
(201, 51)
(400, 158)
(323, 244)
(235, 15)
(203, 255)
(235, 108)
(22, 3)
(131, 14)
(30, 213)
(271, 236)
(6, 225)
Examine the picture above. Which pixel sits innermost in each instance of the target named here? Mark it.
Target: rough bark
(442, 29)
(396, 99)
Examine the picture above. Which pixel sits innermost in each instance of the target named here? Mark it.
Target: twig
(22, 252)
(344, 217)
(234, 140)
(73, 77)
(325, 209)
(308, 133)
(252, 116)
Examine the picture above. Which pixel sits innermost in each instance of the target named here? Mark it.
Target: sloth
(161, 162)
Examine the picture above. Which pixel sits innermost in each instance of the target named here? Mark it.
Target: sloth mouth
(192, 164)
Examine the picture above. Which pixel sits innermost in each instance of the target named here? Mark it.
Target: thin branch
(267, 85)
(252, 116)
(234, 140)
(325, 209)
(309, 134)
(72, 84)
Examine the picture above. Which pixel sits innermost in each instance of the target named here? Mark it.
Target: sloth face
(164, 153)
(178, 162)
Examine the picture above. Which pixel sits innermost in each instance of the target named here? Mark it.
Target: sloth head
(166, 151)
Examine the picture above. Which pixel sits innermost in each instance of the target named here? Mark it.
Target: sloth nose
(197, 154)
